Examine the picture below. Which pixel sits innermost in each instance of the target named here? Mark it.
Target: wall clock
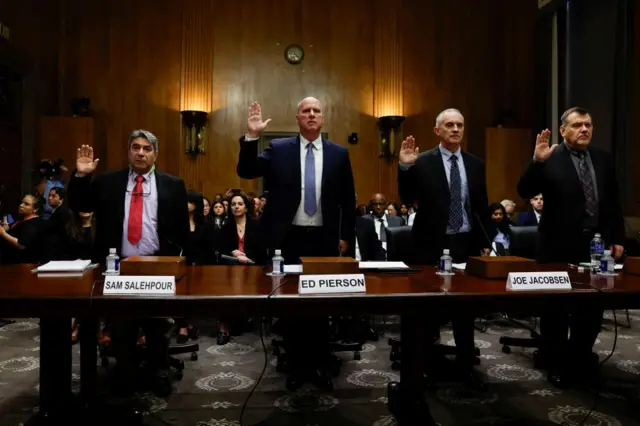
(294, 54)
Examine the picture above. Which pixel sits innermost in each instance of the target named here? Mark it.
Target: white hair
(441, 115)
(506, 203)
(308, 97)
(144, 134)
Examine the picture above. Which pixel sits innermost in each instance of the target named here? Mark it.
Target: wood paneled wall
(143, 61)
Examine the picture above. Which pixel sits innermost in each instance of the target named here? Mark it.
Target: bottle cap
(445, 251)
(607, 252)
(278, 252)
(597, 235)
(112, 251)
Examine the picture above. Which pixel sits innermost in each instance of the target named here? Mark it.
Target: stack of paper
(383, 265)
(60, 268)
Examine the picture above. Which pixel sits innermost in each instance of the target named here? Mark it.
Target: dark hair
(578, 110)
(74, 228)
(212, 213)
(248, 203)
(60, 191)
(38, 202)
(503, 226)
(395, 206)
(196, 198)
(361, 210)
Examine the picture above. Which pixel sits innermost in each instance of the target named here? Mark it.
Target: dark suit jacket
(528, 219)
(427, 182)
(253, 242)
(201, 245)
(368, 241)
(561, 223)
(104, 195)
(279, 164)
(56, 234)
(392, 221)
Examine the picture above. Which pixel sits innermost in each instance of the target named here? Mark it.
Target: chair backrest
(399, 243)
(523, 241)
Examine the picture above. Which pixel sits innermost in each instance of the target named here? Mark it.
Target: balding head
(310, 118)
(378, 204)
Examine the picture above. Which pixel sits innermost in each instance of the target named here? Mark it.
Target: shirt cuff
(405, 167)
(248, 139)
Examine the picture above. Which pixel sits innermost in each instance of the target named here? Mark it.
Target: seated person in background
(509, 207)
(218, 216)
(21, 242)
(55, 229)
(404, 213)
(532, 218)
(499, 229)
(80, 233)
(361, 210)
(206, 211)
(200, 247)
(241, 237)
(368, 246)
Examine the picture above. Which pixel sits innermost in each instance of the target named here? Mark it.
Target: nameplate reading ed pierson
(133, 285)
(329, 284)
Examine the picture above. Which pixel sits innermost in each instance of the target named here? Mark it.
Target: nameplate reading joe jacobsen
(156, 285)
(329, 284)
(538, 281)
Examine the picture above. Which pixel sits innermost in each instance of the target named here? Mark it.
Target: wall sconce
(193, 124)
(389, 128)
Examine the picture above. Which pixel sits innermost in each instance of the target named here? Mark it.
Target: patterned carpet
(214, 387)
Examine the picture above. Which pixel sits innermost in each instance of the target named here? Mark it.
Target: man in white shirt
(381, 219)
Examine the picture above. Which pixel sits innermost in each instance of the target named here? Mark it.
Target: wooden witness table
(208, 291)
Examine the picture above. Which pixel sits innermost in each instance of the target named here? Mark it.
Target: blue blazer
(280, 166)
(527, 219)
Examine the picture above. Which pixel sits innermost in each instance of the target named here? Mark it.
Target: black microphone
(484, 231)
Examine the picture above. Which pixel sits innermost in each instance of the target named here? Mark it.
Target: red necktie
(134, 230)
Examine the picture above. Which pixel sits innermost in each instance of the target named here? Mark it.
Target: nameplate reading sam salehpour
(131, 285)
(538, 281)
(329, 284)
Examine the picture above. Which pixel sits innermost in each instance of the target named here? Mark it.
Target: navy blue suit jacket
(527, 219)
(280, 166)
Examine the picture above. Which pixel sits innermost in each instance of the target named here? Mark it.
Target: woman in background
(21, 242)
(207, 209)
(218, 215)
(499, 228)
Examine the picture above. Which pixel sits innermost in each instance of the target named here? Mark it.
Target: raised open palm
(408, 151)
(85, 163)
(255, 125)
(543, 151)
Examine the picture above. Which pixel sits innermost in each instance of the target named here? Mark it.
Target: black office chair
(523, 243)
(399, 248)
(192, 348)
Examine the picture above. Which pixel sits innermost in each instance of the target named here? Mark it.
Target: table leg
(55, 370)
(406, 399)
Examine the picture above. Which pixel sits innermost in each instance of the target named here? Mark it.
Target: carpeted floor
(214, 387)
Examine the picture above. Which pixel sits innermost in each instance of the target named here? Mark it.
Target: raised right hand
(255, 125)
(408, 151)
(85, 164)
(543, 150)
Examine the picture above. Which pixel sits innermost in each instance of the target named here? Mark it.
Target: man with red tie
(139, 211)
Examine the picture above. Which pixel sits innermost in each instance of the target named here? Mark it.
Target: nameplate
(330, 284)
(538, 281)
(152, 285)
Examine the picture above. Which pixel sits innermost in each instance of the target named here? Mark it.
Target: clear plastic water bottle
(278, 263)
(597, 250)
(607, 263)
(113, 263)
(445, 262)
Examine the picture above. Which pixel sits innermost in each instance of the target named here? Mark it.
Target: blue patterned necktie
(310, 205)
(455, 187)
(590, 206)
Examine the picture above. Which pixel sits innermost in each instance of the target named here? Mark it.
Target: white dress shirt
(379, 229)
(301, 218)
(149, 243)
(537, 216)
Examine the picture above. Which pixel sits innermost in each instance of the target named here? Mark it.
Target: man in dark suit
(532, 218)
(368, 245)
(451, 189)
(381, 219)
(139, 211)
(580, 199)
(309, 213)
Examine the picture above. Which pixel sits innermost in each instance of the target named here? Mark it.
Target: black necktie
(587, 184)
(383, 232)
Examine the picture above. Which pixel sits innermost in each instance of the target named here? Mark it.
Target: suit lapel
(161, 189)
(438, 166)
(295, 163)
(327, 158)
(567, 164)
(122, 178)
